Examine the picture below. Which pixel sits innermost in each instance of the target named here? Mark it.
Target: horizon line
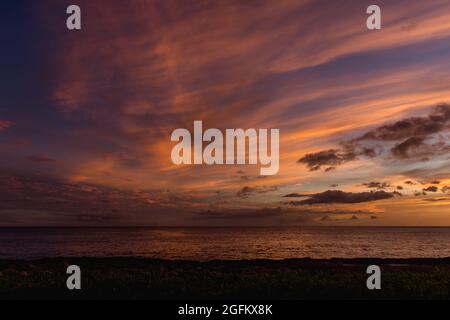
(198, 227)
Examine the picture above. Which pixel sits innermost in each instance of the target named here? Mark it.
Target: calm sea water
(225, 243)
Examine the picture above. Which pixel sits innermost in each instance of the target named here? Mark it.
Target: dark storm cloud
(377, 185)
(411, 133)
(329, 158)
(246, 177)
(417, 148)
(402, 149)
(295, 195)
(337, 196)
(431, 189)
(437, 121)
(414, 132)
(247, 191)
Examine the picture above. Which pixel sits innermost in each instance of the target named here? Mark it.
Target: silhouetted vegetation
(133, 278)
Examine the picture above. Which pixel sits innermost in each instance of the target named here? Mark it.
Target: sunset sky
(86, 116)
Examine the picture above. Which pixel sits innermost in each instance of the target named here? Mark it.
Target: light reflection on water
(225, 243)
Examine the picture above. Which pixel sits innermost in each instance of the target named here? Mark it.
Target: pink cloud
(5, 124)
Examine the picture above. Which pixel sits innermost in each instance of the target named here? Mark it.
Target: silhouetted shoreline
(140, 278)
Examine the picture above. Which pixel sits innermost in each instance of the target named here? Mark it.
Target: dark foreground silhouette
(134, 278)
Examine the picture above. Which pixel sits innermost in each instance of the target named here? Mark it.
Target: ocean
(225, 243)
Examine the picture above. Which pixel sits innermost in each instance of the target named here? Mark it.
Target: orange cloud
(309, 68)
